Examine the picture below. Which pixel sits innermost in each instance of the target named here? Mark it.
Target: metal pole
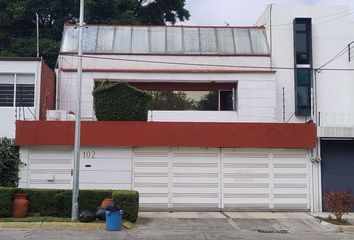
(76, 172)
(37, 28)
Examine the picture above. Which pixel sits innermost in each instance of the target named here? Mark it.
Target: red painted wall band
(153, 134)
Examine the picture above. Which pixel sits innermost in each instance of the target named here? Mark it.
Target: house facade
(235, 120)
(27, 90)
(318, 37)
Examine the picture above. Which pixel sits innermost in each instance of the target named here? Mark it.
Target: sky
(241, 12)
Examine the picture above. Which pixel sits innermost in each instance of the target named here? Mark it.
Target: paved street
(196, 226)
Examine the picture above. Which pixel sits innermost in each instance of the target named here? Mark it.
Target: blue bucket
(113, 220)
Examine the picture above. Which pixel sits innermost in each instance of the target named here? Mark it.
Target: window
(180, 96)
(303, 56)
(226, 101)
(184, 100)
(193, 100)
(302, 40)
(303, 92)
(24, 85)
(6, 90)
(24, 95)
(6, 95)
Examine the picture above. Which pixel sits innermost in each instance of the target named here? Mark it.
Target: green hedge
(129, 203)
(5, 201)
(57, 202)
(120, 102)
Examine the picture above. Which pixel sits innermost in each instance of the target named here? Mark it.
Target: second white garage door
(214, 179)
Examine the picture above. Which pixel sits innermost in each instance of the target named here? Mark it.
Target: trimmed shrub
(89, 201)
(6, 201)
(63, 201)
(338, 203)
(9, 163)
(120, 102)
(128, 201)
(57, 202)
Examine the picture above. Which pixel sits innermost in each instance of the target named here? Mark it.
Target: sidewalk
(289, 222)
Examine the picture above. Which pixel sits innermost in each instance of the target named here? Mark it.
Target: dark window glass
(302, 40)
(184, 100)
(6, 95)
(302, 53)
(303, 92)
(24, 95)
(226, 100)
(300, 26)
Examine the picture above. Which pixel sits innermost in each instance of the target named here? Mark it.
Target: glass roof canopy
(167, 40)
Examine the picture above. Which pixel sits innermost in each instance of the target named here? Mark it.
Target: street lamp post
(76, 170)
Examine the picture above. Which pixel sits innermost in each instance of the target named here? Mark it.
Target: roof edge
(172, 26)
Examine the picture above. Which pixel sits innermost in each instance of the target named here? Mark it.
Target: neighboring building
(318, 34)
(242, 139)
(27, 90)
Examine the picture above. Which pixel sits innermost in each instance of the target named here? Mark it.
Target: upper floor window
(302, 40)
(179, 96)
(17, 90)
(193, 100)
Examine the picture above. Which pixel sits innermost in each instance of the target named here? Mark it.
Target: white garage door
(49, 167)
(195, 179)
(151, 177)
(105, 168)
(214, 179)
(261, 180)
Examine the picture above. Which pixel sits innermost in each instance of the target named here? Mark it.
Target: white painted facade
(255, 101)
(9, 72)
(332, 98)
(332, 31)
(180, 178)
(214, 178)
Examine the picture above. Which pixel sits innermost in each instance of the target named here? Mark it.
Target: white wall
(9, 115)
(100, 168)
(331, 33)
(255, 91)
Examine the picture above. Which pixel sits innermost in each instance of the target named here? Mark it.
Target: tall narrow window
(303, 91)
(303, 66)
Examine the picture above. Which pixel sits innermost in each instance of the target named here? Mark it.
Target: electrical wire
(204, 64)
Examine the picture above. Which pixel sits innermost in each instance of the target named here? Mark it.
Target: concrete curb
(338, 228)
(55, 225)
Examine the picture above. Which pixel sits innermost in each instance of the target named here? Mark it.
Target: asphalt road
(29, 234)
(184, 228)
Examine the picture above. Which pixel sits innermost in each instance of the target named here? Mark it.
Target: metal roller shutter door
(337, 166)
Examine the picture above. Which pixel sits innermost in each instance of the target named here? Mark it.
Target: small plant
(338, 203)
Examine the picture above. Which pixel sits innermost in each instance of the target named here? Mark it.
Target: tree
(18, 20)
(169, 100)
(209, 101)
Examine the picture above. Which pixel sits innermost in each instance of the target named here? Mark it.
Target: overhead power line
(203, 64)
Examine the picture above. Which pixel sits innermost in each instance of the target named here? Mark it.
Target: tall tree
(18, 20)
